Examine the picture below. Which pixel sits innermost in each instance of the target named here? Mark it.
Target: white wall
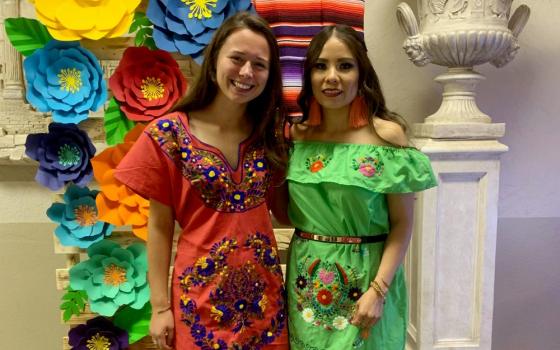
(524, 95)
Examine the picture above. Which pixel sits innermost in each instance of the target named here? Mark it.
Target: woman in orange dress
(209, 165)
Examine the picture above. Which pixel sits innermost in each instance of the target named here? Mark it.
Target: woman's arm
(369, 308)
(161, 227)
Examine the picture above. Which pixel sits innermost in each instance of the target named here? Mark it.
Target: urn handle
(406, 19)
(516, 24)
(519, 19)
(413, 45)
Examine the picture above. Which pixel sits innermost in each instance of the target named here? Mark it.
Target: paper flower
(78, 219)
(65, 79)
(188, 25)
(78, 19)
(112, 276)
(63, 154)
(97, 333)
(116, 203)
(147, 83)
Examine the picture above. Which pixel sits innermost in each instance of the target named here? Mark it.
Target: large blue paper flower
(77, 216)
(63, 154)
(187, 26)
(65, 79)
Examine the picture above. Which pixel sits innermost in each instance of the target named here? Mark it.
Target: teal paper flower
(65, 79)
(112, 277)
(78, 218)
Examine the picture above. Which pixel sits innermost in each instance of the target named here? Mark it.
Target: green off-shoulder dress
(340, 189)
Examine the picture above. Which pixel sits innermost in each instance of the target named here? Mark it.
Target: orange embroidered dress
(227, 284)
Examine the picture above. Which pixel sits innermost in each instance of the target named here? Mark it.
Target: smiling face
(242, 66)
(335, 75)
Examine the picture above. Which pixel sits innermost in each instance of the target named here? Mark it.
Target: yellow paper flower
(69, 20)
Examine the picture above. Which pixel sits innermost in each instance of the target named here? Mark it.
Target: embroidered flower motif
(116, 203)
(325, 291)
(188, 25)
(326, 276)
(77, 217)
(112, 276)
(77, 19)
(63, 154)
(237, 299)
(147, 83)
(208, 173)
(265, 252)
(301, 282)
(98, 334)
(308, 315)
(368, 166)
(340, 322)
(316, 163)
(355, 293)
(324, 297)
(65, 79)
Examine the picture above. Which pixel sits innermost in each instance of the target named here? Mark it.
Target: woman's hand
(162, 329)
(368, 310)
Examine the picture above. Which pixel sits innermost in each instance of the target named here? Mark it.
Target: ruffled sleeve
(146, 169)
(382, 169)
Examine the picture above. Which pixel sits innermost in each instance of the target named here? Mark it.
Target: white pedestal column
(451, 261)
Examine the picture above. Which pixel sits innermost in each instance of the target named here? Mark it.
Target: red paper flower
(147, 83)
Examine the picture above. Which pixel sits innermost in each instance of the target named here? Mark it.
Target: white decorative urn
(461, 34)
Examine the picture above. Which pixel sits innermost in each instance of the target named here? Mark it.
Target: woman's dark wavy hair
(368, 83)
(264, 112)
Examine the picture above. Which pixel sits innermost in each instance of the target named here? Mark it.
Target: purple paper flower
(65, 79)
(98, 333)
(187, 25)
(63, 154)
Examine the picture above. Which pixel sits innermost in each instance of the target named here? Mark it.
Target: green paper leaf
(116, 124)
(26, 35)
(135, 322)
(142, 34)
(150, 43)
(74, 303)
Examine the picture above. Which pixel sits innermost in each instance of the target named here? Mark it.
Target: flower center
(199, 8)
(115, 275)
(68, 155)
(86, 215)
(98, 342)
(70, 79)
(152, 88)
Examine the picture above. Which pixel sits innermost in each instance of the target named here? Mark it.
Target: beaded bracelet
(167, 308)
(377, 288)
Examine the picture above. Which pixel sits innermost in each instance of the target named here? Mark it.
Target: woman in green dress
(351, 183)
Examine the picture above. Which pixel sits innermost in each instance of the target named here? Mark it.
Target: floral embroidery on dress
(326, 293)
(265, 253)
(316, 163)
(237, 298)
(208, 173)
(368, 166)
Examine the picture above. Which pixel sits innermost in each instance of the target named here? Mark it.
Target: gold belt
(340, 239)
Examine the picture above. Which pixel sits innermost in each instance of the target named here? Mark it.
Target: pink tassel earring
(314, 116)
(358, 115)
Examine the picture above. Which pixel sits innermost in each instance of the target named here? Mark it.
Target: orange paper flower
(116, 203)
